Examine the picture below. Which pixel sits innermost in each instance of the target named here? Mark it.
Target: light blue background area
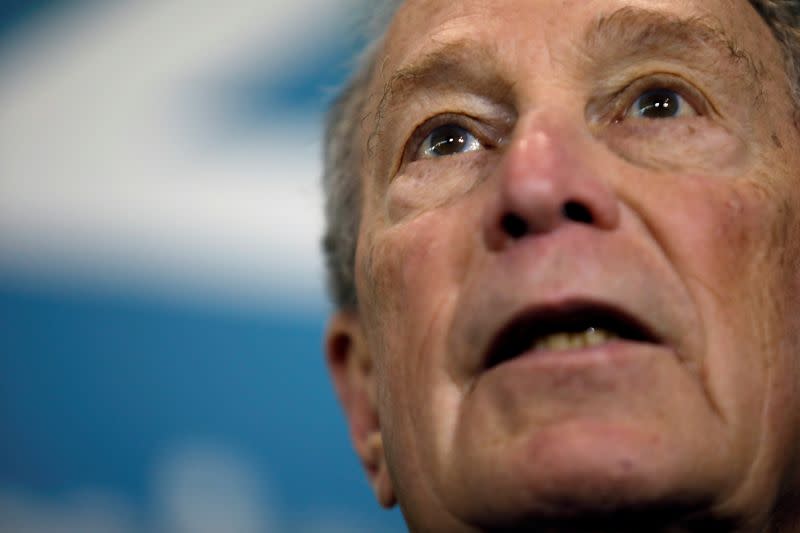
(124, 408)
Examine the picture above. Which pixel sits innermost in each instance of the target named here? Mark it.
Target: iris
(658, 103)
(449, 139)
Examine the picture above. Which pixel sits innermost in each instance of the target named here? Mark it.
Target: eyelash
(422, 131)
(625, 98)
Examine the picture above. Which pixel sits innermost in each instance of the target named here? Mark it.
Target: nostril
(577, 212)
(514, 226)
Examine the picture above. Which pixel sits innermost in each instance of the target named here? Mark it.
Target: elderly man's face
(577, 269)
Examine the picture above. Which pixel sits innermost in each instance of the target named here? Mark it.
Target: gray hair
(783, 18)
(341, 178)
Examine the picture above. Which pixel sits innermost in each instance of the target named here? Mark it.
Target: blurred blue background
(161, 290)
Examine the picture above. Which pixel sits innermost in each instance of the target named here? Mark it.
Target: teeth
(566, 341)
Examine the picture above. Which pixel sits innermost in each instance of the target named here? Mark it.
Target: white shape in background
(102, 180)
(206, 490)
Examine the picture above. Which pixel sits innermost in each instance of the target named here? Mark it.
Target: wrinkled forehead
(421, 25)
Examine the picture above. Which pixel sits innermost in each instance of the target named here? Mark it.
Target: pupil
(659, 104)
(448, 140)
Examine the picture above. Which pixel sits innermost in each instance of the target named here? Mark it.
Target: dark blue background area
(93, 387)
(15, 14)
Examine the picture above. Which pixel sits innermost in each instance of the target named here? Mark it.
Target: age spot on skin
(626, 465)
(777, 140)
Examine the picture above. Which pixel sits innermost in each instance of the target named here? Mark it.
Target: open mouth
(561, 330)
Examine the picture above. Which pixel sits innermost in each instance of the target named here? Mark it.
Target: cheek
(432, 184)
(685, 145)
(721, 236)
(410, 276)
(406, 269)
(728, 241)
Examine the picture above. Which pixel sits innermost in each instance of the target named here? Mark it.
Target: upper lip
(517, 334)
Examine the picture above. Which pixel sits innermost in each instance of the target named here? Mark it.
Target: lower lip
(607, 354)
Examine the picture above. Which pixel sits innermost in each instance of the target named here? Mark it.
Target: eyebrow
(627, 34)
(634, 33)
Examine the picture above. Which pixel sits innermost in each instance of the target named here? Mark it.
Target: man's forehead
(423, 24)
(428, 41)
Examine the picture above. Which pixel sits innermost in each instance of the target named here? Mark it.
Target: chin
(576, 475)
(586, 464)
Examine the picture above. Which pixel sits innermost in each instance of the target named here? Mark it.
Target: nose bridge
(545, 158)
(549, 177)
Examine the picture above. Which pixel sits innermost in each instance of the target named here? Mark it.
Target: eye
(660, 103)
(448, 139)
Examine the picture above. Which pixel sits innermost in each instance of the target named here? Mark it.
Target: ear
(351, 367)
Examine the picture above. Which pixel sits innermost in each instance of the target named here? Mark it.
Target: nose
(547, 179)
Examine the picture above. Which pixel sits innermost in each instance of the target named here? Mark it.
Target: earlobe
(379, 473)
(351, 367)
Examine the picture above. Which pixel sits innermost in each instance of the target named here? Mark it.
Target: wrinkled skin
(692, 228)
